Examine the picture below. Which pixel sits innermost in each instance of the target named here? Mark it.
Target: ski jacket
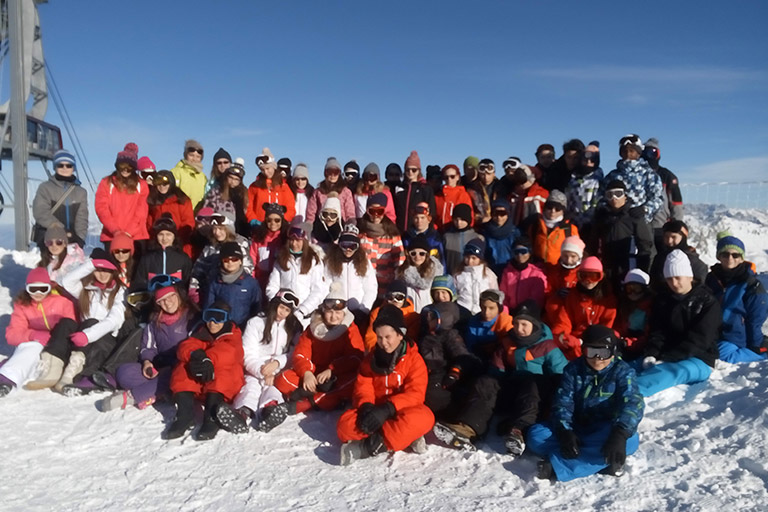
(263, 254)
(455, 241)
(447, 201)
(258, 196)
(412, 325)
(578, 311)
(120, 210)
(360, 291)
(170, 261)
(659, 283)
(162, 335)
(73, 258)
(444, 349)
(434, 241)
(191, 181)
(531, 202)
(583, 195)
(499, 241)
(559, 277)
(521, 285)
(484, 338)
(471, 282)
(542, 357)
(672, 199)
(418, 286)
(644, 186)
(258, 353)
(208, 262)
(622, 240)
(339, 348)
(361, 202)
(183, 217)
(744, 302)
(311, 288)
(73, 212)
(316, 202)
(301, 200)
(633, 325)
(406, 199)
(243, 296)
(236, 206)
(386, 254)
(35, 321)
(109, 319)
(547, 241)
(588, 398)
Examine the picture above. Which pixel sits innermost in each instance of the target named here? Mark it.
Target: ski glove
(371, 417)
(200, 366)
(760, 349)
(451, 378)
(615, 447)
(79, 339)
(569, 443)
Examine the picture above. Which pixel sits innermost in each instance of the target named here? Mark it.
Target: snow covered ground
(703, 447)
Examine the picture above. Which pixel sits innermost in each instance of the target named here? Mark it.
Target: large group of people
(553, 296)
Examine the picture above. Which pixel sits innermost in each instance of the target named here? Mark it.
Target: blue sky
(372, 81)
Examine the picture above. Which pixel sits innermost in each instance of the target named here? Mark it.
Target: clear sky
(374, 80)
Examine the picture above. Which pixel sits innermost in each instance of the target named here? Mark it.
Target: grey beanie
(372, 168)
(332, 163)
(558, 197)
(301, 171)
(56, 232)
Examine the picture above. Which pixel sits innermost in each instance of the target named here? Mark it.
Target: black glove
(569, 443)
(370, 419)
(761, 349)
(563, 292)
(197, 355)
(200, 369)
(451, 378)
(615, 447)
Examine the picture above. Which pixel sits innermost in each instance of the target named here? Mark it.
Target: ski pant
(399, 432)
(256, 394)
(129, 376)
(22, 365)
(731, 353)
(95, 352)
(541, 439)
(445, 403)
(523, 397)
(127, 350)
(289, 381)
(666, 375)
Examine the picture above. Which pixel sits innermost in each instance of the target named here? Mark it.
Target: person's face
(487, 173)
(269, 171)
(412, 174)
(589, 279)
(376, 212)
(460, 223)
(471, 260)
(330, 217)
(420, 222)
(393, 175)
(222, 164)
(332, 175)
(348, 251)
(418, 256)
(587, 163)
(545, 159)
(571, 159)
(194, 156)
(282, 312)
(163, 188)
(219, 233)
(523, 327)
(396, 301)
(388, 339)
(39, 297)
(552, 211)
(470, 171)
(451, 177)
(121, 255)
(432, 323)
(680, 284)
(295, 244)
(333, 317)
(65, 169)
(489, 310)
(273, 222)
(165, 239)
(634, 291)
(170, 303)
(350, 177)
(672, 239)
(231, 264)
(569, 259)
(301, 183)
(616, 198)
(521, 254)
(125, 170)
(213, 327)
(730, 259)
(499, 216)
(439, 296)
(598, 364)
(629, 153)
(56, 248)
(233, 180)
(102, 276)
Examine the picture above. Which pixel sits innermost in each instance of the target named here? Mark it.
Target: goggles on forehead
(161, 281)
(420, 210)
(296, 233)
(138, 299)
(34, 288)
(601, 353)
(512, 164)
(397, 296)
(334, 304)
(161, 179)
(215, 315)
(236, 171)
(288, 298)
(218, 220)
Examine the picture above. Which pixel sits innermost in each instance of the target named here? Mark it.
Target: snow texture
(703, 447)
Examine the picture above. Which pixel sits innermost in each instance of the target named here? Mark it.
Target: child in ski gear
(562, 276)
(548, 230)
(380, 239)
(369, 186)
(674, 235)
(188, 173)
(396, 295)
(414, 191)
(234, 286)
(418, 271)
(228, 194)
(450, 196)
(500, 234)
(268, 238)
(643, 185)
(489, 327)
(268, 188)
(421, 227)
(122, 250)
(327, 227)
(633, 313)
(473, 276)
(302, 190)
(584, 190)
(166, 198)
(457, 234)
(521, 279)
(164, 256)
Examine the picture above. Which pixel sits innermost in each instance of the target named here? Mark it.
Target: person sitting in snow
(685, 324)
(674, 235)
(595, 414)
(563, 275)
(744, 302)
(388, 411)
(633, 313)
(209, 369)
(233, 285)
(486, 330)
(396, 295)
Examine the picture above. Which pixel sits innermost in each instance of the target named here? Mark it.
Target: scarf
(231, 278)
(525, 341)
(66, 179)
(500, 232)
(551, 224)
(517, 265)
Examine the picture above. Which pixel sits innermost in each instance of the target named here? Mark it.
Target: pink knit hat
(38, 275)
(591, 264)
(413, 160)
(573, 244)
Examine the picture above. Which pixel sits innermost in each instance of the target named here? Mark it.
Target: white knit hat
(637, 276)
(573, 244)
(336, 291)
(332, 203)
(677, 264)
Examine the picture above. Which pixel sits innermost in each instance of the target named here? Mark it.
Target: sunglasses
(520, 251)
(396, 296)
(288, 298)
(590, 277)
(217, 316)
(371, 178)
(501, 212)
(590, 156)
(121, 251)
(300, 179)
(125, 168)
(376, 211)
(223, 162)
(64, 166)
(138, 299)
(38, 288)
(229, 259)
(162, 281)
(450, 177)
(334, 304)
(614, 194)
(350, 175)
(58, 241)
(417, 253)
(332, 172)
(329, 215)
(411, 169)
(349, 246)
(297, 234)
(601, 353)
(273, 220)
(554, 206)
(732, 255)
(195, 150)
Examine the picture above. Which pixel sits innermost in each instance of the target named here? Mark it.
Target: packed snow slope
(703, 447)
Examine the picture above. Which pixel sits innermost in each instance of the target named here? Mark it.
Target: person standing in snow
(166, 197)
(302, 190)
(228, 194)
(415, 191)
(189, 174)
(672, 199)
(334, 186)
(643, 185)
(585, 188)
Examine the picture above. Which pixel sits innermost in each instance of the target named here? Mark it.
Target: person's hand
(78, 339)
(569, 444)
(615, 448)
(649, 362)
(148, 370)
(269, 368)
(451, 378)
(309, 382)
(269, 381)
(323, 376)
(372, 419)
(563, 292)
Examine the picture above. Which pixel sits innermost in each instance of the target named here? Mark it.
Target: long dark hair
(308, 255)
(129, 184)
(84, 300)
(261, 180)
(390, 228)
(236, 194)
(46, 258)
(334, 261)
(185, 306)
(260, 233)
(292, 324)
(308, 190)
(156, 199)
(424, 269)
(326, 187)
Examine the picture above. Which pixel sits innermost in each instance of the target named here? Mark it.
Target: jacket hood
(449, 314)
(321, 331)
(412, 277)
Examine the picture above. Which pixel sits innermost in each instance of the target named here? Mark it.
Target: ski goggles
(521, 251)
(329, 215)
(236, 171)
(396, 296)
(420, 210)
(215, 315)
(551, 205)
(486, 168)
(500, 212)
(376, 211)
(58, 241)
(332, 171)
(288, 298)
(590, 277)
(349, 246)
(161, 281)
(512, 164)
(296, 233)
(38, 288)
(371, 177)
(138, 299)
(161, 179)
(601, 353)
(148, 176)
(218, 220)
(351, 174)
(492, 295)
(334, 304)
(615, 193)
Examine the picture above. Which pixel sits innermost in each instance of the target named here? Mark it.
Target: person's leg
(185, 404)
(666, 375)
(480, 404)
(22, 364)
(731, 353)
(210, 427)
(341, 391)
(541, 440)
(249, 394)
(407, 426)
(347, 429)
(437, 397)
(590, 459)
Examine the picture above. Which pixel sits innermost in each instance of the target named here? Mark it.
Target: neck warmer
(371, 228)
(67, 179)
(554, 222)
(738, 274)
(384, 363)
(295, 253)
(527, 340)
(500, 232)
(586, 291)
(517, 265)
(166, 319)
(234, 276)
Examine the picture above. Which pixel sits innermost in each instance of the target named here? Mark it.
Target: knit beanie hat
(332, 203)
(372, 168)
(496, 296)
(144, 164)
(332, 163)
(222, 153)
(444, 283)
(419, 242)
(301, 171)
(122, 240)
(616, 185)
(38, 275)
(433, 172)
(637, 276)
(573, 244)
(273, 209)
(632, 140)
(379, 198)
(350, 234)
(192, 144)
(397, 286)
(600, 336)
(101, 260)
(558, 198)
(413, 160)
(237, 168)
(463, 211)
(284, 164)
(677, 264)
(471, 161)
(675, 226)
(475, 247)
(522, 241)
(164, 223)
(336, 292)
(528, 310)
(230, 250)
(393, 168)
(56, 232)
(727, 242)
(129, 155)
(392, 316)
(591, 264)
(265, 158)
(352, 167)
(63, 156)
(501, 203)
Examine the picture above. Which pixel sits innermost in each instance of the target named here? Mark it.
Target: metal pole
(18, 126)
